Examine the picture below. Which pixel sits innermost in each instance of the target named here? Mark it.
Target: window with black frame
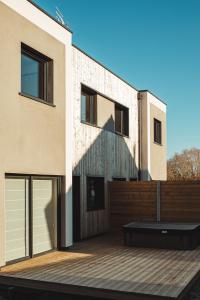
(95, 193)
(121, 119)
(36, 74)
(157, 131)
(88, 106)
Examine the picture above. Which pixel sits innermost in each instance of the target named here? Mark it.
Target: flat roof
(46, 13)
(125, 81)
(150, 92)
(99, 63)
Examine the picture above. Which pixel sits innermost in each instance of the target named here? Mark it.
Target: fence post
(158, 202)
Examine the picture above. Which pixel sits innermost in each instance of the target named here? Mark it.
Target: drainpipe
(139, 97)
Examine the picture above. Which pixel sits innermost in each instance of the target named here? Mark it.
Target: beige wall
(105, 113)
(32, 134)
(153, 157)
(158, 152)
(143, 137)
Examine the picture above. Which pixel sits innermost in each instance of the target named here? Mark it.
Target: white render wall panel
(98, 152)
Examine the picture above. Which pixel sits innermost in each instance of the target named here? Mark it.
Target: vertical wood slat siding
(97, 152)
(96, 162)
(132, 201)
(136, 201)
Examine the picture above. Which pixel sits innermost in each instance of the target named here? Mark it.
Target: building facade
(68, 127)
(35, 124)
(119, 134)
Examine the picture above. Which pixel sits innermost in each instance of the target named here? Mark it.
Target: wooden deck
(103, 267)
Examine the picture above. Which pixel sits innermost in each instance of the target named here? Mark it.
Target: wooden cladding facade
(149, 201)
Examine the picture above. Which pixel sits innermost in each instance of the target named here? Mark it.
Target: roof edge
(102, 65)
(150, 92)
(47, 14)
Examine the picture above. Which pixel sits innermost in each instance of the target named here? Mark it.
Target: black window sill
(96, 126)
(37, 99)
(122, 134)
(90, 124)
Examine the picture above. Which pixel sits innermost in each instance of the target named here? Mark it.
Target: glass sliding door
(31, 215)
(17, 218)
(44, 214)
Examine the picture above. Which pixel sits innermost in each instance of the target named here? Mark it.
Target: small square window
(95, 193)
(36, 74)
(157, 131)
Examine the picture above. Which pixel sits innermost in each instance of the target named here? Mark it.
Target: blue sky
(153, 44)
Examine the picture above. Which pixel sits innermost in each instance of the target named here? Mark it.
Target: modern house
(63, 114)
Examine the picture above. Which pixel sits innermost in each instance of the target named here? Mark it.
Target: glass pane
(92, 118)
(30, 73)
(17, 221)
(83, 108)
(118, 120)
(95, 193)
(44, 215)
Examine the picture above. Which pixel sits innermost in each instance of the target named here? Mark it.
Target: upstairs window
(88, 106)
(121, 120)
(36, 74)
(95, 193)
(157, 131)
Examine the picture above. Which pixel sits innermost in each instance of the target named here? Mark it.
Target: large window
(157, 131)
(36, 74)
(103, 112)
(121, 120)
(88, 106)
(95, 193)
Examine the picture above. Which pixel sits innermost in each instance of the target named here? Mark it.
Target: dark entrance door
(76, 209)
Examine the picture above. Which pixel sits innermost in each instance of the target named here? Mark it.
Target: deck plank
(105, 264)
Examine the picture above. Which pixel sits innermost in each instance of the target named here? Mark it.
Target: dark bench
(182, 236)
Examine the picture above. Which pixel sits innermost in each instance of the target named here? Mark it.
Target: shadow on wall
(108, 155)
(50, 221)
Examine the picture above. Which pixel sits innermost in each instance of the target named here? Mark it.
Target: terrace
(104, 268)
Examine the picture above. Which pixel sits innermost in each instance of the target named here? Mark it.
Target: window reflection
(30, 73)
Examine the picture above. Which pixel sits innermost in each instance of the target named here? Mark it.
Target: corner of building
(153, 154)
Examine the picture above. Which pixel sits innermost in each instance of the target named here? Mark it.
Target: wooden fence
(170, 201)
